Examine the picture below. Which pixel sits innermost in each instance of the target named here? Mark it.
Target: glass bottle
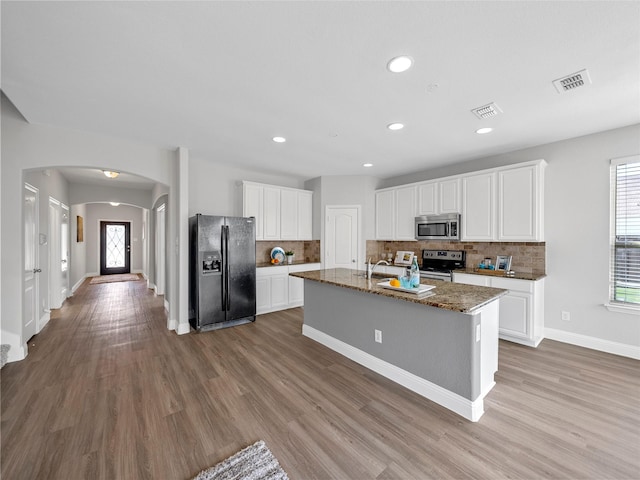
(415, 273)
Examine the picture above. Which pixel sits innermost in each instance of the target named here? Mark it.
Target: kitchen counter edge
(457, 297)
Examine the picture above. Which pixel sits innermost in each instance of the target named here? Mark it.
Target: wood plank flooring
(107, 392)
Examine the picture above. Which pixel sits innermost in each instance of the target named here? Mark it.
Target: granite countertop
(456, 297)
(519, 275)
(269, 264)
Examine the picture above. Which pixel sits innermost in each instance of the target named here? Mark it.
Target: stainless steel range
(439, 264)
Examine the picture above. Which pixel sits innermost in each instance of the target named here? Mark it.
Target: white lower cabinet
(521, 310)
(276, 290)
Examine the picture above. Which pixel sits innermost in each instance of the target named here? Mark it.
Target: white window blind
(625, 238)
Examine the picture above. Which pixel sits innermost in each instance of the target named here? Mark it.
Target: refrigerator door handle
(227, 297)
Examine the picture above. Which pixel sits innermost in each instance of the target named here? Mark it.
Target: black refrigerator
(222, 271)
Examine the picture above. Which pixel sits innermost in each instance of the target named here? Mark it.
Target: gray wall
(78, 249)
(83, 193)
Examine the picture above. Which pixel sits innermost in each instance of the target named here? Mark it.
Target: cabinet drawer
(513, 284)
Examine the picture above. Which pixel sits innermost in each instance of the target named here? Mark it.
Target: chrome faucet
(371, 268)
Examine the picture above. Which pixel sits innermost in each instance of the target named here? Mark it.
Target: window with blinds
(625, 238)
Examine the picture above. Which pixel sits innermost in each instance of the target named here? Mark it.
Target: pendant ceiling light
(110, 174)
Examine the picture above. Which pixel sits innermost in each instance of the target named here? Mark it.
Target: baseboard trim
(78, 283)
(471, 410)
(172, 324)
(593, 343)
(44, 319)
(183, 328)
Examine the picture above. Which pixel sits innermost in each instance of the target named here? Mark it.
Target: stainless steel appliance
(438, 227)
(439, 264)
(222, 271)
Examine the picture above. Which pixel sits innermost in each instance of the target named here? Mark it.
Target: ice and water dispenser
(211, 263)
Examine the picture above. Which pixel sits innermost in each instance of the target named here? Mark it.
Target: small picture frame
(503, 262)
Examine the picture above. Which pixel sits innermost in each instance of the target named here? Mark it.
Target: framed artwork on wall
(503, 262)
(80, 229)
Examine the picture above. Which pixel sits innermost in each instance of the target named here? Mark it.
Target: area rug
(255, 462)
(124, 277)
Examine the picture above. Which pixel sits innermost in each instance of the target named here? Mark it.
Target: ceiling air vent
(573, 81)
(487, 111)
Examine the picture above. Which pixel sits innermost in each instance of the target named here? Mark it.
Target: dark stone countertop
(456, 297)
(285, 264)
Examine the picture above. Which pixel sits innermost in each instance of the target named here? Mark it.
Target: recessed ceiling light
(395, 126)
(110, 174)
(482, 131)
(279, 139)
(400, 64)
(367, 165)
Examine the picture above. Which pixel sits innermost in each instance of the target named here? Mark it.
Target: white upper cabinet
(478, 207)
(500, 204)
(520, 203)
(253, 205)
(281, 213)
(439, 196)
(449, 196)
(288, 214)
(395, 213)
(405, 213)
(385, 215)
(271, 219)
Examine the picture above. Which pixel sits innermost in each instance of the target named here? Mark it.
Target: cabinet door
(279, 290)
(449, 196)
(289, 214)
(515, 314)
(478, 200)
(405, 213)
(271, 223)
(305, 215)
(427, 198)
(252, 206)
(385, 215)
(296, 292)
(263, 294)
(518, 214)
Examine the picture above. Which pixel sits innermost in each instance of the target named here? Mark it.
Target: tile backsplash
(309, 251)
(528, 257)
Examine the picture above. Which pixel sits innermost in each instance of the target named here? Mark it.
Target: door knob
(37, 270)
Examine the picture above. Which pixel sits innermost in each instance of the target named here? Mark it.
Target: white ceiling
(223, 78)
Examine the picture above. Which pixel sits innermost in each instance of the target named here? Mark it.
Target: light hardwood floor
(107, 392)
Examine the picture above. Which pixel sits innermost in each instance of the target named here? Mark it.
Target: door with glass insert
(115, 248)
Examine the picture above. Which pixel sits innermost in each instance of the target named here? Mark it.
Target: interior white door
(55, 284)
(64, 252)
(160, 249)
(31, 262)
(341, 237)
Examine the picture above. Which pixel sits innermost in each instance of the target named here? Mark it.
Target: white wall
(26, 146)
(78, 249)
(345, 190)
(85, 193)
(97, 212)
(216, 189)
(577, 214)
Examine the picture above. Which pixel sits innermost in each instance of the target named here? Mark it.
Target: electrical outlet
(378, 336)
(566, 316)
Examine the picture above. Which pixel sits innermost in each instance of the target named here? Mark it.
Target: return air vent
(573, 81)
(487, 111)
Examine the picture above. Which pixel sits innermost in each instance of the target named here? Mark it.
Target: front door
(115, 247)
(31, 260)
(341, 238)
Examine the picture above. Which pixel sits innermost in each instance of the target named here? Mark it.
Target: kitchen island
(442, 344)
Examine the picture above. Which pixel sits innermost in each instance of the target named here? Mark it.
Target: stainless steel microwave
(438, 227)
